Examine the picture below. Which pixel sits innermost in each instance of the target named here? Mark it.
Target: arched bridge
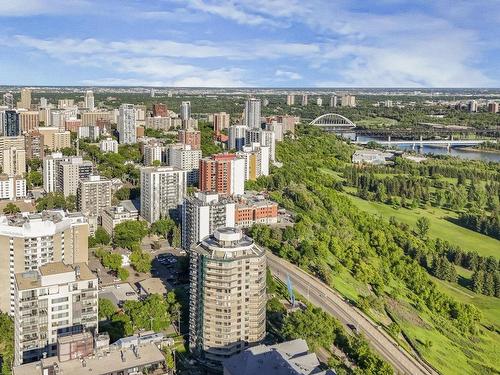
(333, 121)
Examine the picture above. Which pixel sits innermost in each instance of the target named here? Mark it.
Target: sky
(250, 43)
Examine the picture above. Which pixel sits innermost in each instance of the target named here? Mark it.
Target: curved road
(322, 296)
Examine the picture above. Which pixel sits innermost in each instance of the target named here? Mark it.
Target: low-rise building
(55, 300)
(112, 216)
(250, 210)
(109, 145)
(366, 156)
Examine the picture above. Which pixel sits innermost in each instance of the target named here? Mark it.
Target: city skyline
(282, 44)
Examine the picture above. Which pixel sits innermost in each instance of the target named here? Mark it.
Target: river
(436, 150)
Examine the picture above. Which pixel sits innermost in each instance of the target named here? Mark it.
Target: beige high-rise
(93, 195)
(29, 120)
(28, 242)
(25, 98)
(14, 161)
(227, 307)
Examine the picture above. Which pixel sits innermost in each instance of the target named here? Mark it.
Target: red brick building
(215, 173)
(190, 137)
(160, 110)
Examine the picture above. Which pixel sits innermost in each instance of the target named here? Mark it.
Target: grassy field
(439, 226)
(377, 122)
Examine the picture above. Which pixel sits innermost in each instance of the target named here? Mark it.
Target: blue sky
(265, 43)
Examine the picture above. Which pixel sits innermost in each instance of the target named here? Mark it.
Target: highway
(322, 296)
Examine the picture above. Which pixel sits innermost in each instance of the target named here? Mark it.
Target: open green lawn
(439, 226)
(377, 122)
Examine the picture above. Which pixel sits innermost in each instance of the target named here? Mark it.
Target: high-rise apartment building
(8, 100)
(160, 110)
(162, 191)
(160, 123)
(256, 161)
(290, 99)
(265, 138)
(202, 214)
(29, 121)
(109, 145)
(114, 215)
(34, 145)
(227, 300)
(221, 121)
(472, 106)
(185, 113)
(6, 143)
(53, 301)
(223, 174)
(93, 195)
(55, 139)
(348, 100)
(92, 132)
(50, 165)
(304, 99)
(319, 102)
(43, 102)
(126, 124)
(11, 126)
(89, 100)
(69, 172)
(14, 161)
(252, 113)
(493, 107)
(92, 118)
(65, 103)
(25, 98)
(333, 101)
(237, 137)
(29, 241)
(186, 159)
(190, 137)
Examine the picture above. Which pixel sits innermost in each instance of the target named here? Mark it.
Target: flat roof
(98, 365)
(153, 285)
(32, 279)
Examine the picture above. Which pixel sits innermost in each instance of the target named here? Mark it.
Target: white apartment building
(265, 138)
(202, 214)
(154, 152)
(252, 113)
(30, 241)
(69, 172)
(55, 300)
(12, 188)
(186, 159)
(93, 195)
(112, 216)
(49, 166)
(237, 137)
(127, 124)
(109, 145)
(162, 192)
(92, 132)
(227, 299)
(89, 100)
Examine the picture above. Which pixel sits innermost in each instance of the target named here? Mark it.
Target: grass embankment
(377, 122)
(440, 227)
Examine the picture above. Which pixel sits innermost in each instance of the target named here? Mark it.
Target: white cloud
(227, 10)
(287, 75)
(26, 8)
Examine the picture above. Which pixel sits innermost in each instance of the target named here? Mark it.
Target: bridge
(333, 121)
(432, 142)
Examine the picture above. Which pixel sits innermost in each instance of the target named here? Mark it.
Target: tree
(101, 237)
(141, 261)
(176, 237)
(123, 274)
(10, 209)
(71, 203)
(35, 178)
(106, 308)
(128, 233)
(156, 163)
(162, 227)
(423, 226)
(123, 194)
(6, 344)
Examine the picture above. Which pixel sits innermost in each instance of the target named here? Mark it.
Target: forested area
(331, 235)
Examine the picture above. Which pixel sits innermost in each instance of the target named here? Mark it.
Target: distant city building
(64, 298)
(202, 214)
(65, 103)
(472, 106)
(109, 145)
(290, 358)
(265, 138)
(388, 104)
(222, 173)
(26, 98)
(186, 159)
(159, 123)
(319, 102)
(37, 239)
(237, 137)
(154, 152)
(348, 100)
(8, 100)
(493, 107)
(89, 100)
(160, 110)
(333, 101)
(91, 132)
(34, 145)
(190, 137)
(43, 102)
(73, 125)
(12, 187)
(93, 118)
(126, 124)
(112, 216)
(304, 99)
(221, 121)
(256, 160)
(252, 113)
(216, 332)
(290, 99)
(55, 139)
(185, 113)
(366, 156)
(162, 192)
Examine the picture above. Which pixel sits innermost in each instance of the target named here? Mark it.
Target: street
(322, 296)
